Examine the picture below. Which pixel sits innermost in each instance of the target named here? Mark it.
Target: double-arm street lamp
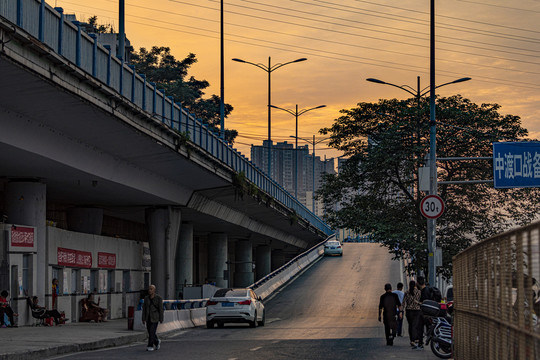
(313, 143)
(296, 114)
(269, 69)
(418, 93)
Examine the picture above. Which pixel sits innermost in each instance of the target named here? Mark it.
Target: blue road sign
(516, 164)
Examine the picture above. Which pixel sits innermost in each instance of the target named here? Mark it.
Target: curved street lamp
(296, 114)
(431, 223)
(269, 69)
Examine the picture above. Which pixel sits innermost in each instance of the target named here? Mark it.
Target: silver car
(333, 247)
(234, 306)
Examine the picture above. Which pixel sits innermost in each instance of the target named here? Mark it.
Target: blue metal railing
(66, 38)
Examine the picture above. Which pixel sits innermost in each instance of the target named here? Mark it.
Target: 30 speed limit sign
(432, 206)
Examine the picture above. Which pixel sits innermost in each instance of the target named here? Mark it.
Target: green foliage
(170, 74)
(100, 29)
(377, 188)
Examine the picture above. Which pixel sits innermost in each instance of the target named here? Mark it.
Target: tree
(100, 29)
(162, 68)
(377, 189)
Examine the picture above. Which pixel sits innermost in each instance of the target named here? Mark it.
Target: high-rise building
(283, 160)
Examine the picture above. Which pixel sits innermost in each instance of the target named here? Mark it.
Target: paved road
(330, 312)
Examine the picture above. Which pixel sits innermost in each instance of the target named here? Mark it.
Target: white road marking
(255, 349)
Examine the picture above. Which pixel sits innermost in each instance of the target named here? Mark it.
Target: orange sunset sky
(495, 42)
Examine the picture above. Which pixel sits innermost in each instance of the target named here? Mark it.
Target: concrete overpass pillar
(26, 204)
(163, 228)
(217, 258)
(243, 274)
(278, 259)
(202, 269)
(184, 257)
(86, 220)
(263, 261)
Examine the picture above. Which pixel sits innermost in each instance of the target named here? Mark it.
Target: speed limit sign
(432, 206)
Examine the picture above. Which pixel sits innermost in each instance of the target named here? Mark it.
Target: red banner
(74, 258)
(106, 260)
(22, 236)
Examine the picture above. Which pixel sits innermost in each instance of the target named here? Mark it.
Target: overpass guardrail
(66, 38)
(497, 297)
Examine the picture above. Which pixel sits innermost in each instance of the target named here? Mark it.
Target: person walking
(152, 313)
(388, 304)
(400, 294)
(424, 295)
(411, 304)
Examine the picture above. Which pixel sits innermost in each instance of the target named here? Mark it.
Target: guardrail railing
(497, 297)
(67, 39)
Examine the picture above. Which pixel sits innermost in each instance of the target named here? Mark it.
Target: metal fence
(497, 297)
(67, 39)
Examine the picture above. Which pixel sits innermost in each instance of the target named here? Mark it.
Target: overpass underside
(97, 163)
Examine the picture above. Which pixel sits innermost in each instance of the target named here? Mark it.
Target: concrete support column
(184, 258)
(163, 229)
(263, 258)
(278, 259)
(217, 259)
(203, 259)
(243, 274)
(85, 220)
(26, 204)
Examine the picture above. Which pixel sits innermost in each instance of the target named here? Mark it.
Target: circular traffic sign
(432, 206)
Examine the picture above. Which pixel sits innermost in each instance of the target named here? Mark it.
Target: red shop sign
(22, 236)
(74, 258)
(106, 260)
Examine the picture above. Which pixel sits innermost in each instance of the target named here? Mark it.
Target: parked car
(234, 306)
(333, 247)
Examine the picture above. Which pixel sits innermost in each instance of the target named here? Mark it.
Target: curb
(73, 348)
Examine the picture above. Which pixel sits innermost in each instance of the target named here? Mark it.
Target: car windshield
(333, 243)
(231, 293)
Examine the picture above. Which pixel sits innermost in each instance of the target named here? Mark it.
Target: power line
(394, 65)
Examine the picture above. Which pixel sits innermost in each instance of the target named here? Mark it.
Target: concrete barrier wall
(174, 320)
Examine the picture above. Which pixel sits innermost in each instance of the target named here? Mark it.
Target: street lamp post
(313, 143)
(296, 114)
(418, 93)
(269, 69)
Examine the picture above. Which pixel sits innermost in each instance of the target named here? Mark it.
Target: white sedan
(333, 247)
(234, 306)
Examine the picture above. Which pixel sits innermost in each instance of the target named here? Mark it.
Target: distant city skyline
(489, 40)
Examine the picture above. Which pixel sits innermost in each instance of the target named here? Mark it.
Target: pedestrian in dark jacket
(388, 304)
(152, 313)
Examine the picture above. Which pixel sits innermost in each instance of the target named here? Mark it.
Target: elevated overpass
(89, 146)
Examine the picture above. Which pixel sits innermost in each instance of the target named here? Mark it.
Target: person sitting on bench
(6, 309)
(55, 314)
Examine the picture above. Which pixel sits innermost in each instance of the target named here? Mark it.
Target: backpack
(435, 294)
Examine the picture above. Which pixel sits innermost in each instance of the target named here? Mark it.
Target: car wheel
(209, 324)
(254, 322)
(261, 323)
(220, 324)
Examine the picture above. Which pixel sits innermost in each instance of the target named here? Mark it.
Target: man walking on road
(399, 292)
(152, 312)
(388, 303)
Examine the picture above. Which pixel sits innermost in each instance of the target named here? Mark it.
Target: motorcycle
(439, 337)
(439, 334)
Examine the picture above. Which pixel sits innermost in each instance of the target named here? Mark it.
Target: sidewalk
(29, 342)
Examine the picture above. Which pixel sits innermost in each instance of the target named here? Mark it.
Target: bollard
(131, 317)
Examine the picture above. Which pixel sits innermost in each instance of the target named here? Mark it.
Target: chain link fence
(496, 285)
